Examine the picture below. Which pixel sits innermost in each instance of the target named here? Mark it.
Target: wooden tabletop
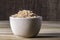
(6, 34)
(12, 37)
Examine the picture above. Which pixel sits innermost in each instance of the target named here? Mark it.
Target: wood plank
(51, 9)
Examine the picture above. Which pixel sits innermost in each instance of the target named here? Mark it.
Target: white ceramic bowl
(25, 27)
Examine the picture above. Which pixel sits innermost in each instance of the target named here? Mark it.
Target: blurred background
(48, 9)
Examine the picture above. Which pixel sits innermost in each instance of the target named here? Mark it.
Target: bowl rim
(26, 18)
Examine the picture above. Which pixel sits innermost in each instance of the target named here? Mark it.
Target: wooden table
(12, 37)
(6, 34)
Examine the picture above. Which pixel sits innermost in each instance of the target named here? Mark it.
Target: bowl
(25, 27)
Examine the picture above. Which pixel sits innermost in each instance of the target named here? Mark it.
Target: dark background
(48, 9)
